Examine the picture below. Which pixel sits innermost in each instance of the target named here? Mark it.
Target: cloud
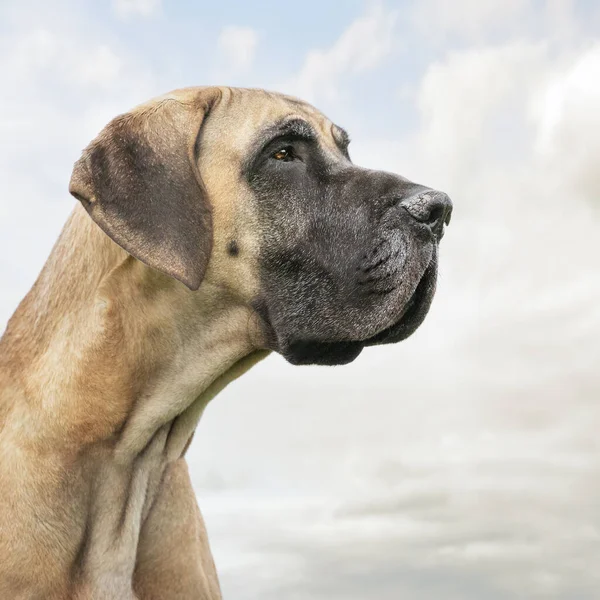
(41, 50)
(469, 18)
(238, 46)
(474, 96)
(361, 47)
(569, 110)
(126, 9)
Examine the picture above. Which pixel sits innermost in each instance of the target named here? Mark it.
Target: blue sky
(465, 462)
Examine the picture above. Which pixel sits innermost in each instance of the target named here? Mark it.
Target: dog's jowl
(214, 225)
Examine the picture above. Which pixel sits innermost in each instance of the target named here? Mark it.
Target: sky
(463, 463)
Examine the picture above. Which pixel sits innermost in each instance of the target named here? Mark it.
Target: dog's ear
(140, 183)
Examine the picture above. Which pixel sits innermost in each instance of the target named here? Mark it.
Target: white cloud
(101, 67)
(126, 9)
(471, 18)
(238, 46)
(566, 111)
(472, 96)
(40, 51)
(479, 22)
(362, 46)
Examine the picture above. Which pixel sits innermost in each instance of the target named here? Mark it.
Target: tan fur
(105, 369)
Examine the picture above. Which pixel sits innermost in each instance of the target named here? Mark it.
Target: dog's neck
(106, 368)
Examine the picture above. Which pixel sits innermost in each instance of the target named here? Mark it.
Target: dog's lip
(413, 312)
(411, 301)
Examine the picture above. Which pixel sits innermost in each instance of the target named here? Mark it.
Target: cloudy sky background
(464, 463)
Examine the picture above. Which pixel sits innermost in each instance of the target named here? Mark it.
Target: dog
(214, 225)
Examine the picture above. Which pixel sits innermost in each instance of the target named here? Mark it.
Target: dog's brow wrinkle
(290, 126)
(340, 135)
(230, 96)
(301, 128)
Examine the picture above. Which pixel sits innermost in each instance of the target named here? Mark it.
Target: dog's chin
(319, 352)
(314, 352)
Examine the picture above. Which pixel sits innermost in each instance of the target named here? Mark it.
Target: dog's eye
(285, 154)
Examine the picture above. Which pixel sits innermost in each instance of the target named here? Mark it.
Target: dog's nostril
(436, 214)
(430, 207)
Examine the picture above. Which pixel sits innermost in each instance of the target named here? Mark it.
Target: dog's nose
(430, 207)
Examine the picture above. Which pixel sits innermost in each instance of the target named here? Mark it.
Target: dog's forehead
(243, 113)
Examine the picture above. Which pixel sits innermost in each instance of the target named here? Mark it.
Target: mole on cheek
(233, 248)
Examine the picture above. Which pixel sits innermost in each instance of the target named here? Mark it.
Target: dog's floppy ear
(140, 183)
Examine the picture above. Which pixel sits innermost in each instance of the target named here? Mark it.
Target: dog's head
(255, 192)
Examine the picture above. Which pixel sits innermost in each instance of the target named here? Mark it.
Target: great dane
(225, 224)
